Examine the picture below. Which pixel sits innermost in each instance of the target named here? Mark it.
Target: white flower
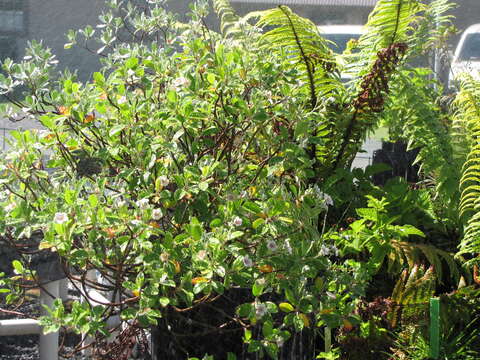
(164, 180)
(288, 247)
(280, 341)
(260, 310)
(157, 214)
(180, 82)
(120, 203)
(60, 218)
(324, 250)
(122, 100)
(237, 221)
(331, 295)
(327, 199)
(335, 250)
(272, 245)
(135, 222)
(261, 281)
(164, 257)
(202, 254)
(142, 203)
(247, 261)
(10, 207)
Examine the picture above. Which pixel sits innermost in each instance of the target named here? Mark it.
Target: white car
(467, 55)
(339, 36)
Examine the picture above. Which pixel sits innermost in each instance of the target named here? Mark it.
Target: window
(12, 17)
(471, 48)
(12, 26)
(11, 21)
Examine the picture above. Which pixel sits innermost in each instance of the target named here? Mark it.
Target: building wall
(466, 13)
(50, 20)
(321, 15)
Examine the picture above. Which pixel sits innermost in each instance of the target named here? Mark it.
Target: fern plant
(346, 113)
(411, 294)
(398, 246)
(466, 127)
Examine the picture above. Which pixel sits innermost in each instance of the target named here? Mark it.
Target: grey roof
(312, 2)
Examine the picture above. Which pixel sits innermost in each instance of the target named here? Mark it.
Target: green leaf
(211, 78)
(252, 207)
(245, 310)
(131, 63)
(70, 196)
(172, 96)
(195, 229)
(410, 230)
(235, 235)
(216, 223)
(257, 289)
(257, 223)
(289, 296)
(286, 307)
(298, 322)
(302, 128)
(164, 301)
(99, 78)
(254, 346)
(203, 186)
(47, 121)
(267, 328)
(17, 266)
(116, 129)
(93, 200)
(260, 116)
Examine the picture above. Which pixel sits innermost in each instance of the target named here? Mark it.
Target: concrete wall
(49, 20)
(321, 15)
(466, 13)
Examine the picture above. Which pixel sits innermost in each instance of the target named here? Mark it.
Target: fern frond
(466, 127)
(299, 40)
(382, 50)
(228, 18)
(411, 294)
(390, 22)
(410, 254)
(471, 240)
(413, 115)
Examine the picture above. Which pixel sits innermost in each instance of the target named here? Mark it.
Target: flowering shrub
(205, 179)
(180, 174)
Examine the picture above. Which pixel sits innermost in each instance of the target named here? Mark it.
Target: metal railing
(3, 133)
